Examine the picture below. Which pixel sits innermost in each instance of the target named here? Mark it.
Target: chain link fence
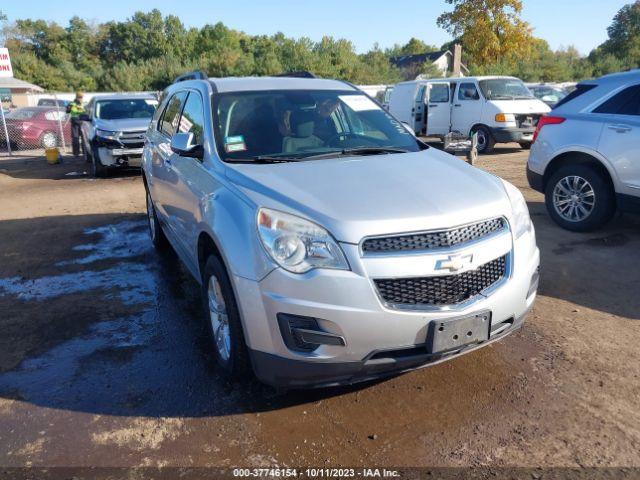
(28, 131)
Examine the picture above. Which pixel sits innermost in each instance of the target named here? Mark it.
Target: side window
(169, 121)
(626, 102)
(439, 93)
(192, 119)
(468, 91)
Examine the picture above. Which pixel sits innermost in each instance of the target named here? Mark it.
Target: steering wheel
(345, 135)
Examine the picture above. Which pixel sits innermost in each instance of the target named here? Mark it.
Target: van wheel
(223, 321)
(486, 141)
(579, 199)
(158, 237)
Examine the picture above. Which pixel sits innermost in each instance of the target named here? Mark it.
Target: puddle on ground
(149, 362)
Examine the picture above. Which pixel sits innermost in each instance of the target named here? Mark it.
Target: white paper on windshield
(359, 103)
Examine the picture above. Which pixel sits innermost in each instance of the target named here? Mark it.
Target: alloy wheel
(219, 319)
(574, 198)
(49, 140)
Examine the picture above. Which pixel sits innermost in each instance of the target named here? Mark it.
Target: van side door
(438, 109)
(418, 110)
(467, 107)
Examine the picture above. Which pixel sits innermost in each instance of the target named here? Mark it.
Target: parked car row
(37, 127)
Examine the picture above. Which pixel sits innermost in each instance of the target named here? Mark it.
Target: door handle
(457, 105)
(433, 106)
(620, 128)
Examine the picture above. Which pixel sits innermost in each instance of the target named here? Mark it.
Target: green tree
(490, 31)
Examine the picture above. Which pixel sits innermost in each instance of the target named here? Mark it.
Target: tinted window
(125, 108)
(192, 120)
(169, 120)
(439, 94)
(468, 91)
(580, 90)
(626, 102)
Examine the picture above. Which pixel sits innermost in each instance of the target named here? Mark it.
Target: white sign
(5, 63)
(359, 103)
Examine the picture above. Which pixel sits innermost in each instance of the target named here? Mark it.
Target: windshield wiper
(356, 151)
(264, 159)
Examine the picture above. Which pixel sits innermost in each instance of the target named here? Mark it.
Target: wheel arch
(577, 158)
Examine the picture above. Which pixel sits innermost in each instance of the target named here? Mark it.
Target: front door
(438, 109)
(418, 109)
(467, 108)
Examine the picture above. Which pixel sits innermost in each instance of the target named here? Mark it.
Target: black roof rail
(195, 75)
(298, 74)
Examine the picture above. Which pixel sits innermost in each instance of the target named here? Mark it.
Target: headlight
(521, 218)
(298, 245)
(505, 117)
(108, 134)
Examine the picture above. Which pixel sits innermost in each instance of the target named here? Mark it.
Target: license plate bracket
(455, 333)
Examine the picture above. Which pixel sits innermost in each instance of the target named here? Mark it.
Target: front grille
(442, 290)
(527, 121)
(431, 240)
(133, 139)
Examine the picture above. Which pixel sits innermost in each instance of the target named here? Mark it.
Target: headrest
(302, 123)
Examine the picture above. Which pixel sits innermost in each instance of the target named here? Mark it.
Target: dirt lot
(102, 361)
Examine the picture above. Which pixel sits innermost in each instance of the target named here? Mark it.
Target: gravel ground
(102, 361)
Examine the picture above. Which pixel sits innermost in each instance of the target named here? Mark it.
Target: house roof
(408, 60)
(12, 82)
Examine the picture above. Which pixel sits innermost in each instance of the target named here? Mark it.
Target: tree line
(148, 50)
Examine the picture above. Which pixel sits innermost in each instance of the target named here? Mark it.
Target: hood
(522, 106)
(123, 124)
(356, 197)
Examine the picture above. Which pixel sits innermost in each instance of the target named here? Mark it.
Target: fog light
(303, 334)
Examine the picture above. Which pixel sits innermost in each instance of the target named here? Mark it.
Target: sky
(581, 23)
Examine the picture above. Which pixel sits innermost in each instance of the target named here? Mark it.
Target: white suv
(586, 153)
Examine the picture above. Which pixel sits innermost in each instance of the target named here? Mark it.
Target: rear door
(163, 177)
(467, 107)
(438, 109)
(620, 139)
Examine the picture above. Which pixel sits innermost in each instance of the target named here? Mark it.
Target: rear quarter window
(580, 90)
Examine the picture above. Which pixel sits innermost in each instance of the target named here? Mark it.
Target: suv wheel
(97, 169)
(223, 321)
(155, 229)
(485, 139)
(579, 199)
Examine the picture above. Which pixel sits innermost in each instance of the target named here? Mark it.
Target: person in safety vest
(75, 109)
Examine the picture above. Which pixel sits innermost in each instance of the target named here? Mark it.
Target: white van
(499, 109)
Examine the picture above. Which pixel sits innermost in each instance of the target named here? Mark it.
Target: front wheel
(97, 169)
(226, 338)
(49, 140)
(525, 145)
(486, 141)
(579, 198)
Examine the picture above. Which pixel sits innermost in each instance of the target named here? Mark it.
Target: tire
(579, 198)
(486, 142)
(525, 145)
(156, 233)
(226, 337)
(48, 140)
(97, 169)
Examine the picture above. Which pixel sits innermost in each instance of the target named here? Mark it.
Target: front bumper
(346, 304)
(512, 134)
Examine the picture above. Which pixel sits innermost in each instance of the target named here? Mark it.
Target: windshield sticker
(234, 144)
(359, 103)
(153, 103)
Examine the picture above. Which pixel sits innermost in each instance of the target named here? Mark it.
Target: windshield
(125, 108)
(549, 94)
(504, 89)
(298, 124)
(22, 114)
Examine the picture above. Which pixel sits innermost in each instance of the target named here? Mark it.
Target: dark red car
(36, 127)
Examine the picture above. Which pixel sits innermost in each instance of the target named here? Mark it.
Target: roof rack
(195, 75)
(298, 74)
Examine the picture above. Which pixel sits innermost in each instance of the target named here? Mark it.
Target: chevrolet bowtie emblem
(455, 262)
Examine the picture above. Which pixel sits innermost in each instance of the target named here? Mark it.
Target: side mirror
(83, 117)
(182, 144)
(406, 125)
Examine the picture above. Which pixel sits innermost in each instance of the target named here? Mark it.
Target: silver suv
(586, 153)
(332, 246)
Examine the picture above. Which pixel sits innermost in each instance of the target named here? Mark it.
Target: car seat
(303, 125)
